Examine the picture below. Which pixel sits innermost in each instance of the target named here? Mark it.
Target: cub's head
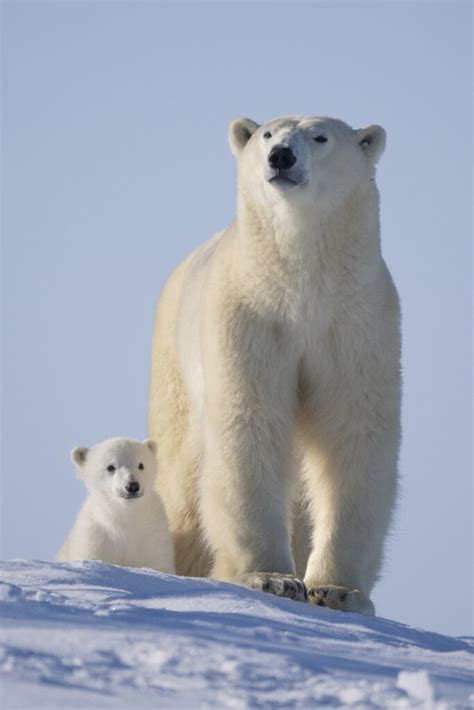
(300, 159)
(118, 469)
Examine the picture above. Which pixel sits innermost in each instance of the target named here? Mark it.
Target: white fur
(132, 532)
(275, 392)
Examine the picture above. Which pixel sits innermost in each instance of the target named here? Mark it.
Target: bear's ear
(240, 131)
(79, 455)
(372, 140)
(151, 443)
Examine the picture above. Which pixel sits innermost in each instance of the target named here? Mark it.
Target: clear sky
(116, 165)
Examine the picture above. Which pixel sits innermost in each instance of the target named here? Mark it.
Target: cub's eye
(267, 134)
(320, 139)
(110, 468)
(141, 466)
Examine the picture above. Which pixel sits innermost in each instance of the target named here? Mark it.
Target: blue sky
(116, 165)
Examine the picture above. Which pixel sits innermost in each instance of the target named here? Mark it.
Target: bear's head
(117, 469)
(303, 161)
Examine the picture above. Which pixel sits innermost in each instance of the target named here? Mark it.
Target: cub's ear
(151, 443)
(240, 131)
(372, 140)
(79, 455)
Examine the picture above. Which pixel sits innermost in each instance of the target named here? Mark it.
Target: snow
(91, 635)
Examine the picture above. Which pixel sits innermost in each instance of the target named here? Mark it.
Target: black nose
(132, 487)
(281, 157)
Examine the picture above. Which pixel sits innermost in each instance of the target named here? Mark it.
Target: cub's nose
(281, 157)
(132, 487)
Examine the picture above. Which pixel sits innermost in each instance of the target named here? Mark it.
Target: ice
(91, 635)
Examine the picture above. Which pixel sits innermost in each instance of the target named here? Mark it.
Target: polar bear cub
(123, 520)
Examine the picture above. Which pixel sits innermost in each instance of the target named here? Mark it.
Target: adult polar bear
(275, 392)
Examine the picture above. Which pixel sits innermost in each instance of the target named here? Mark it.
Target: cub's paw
(340, 598)
(283, 585)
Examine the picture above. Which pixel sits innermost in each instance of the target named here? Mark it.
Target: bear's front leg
(245, 483)
(352, 488)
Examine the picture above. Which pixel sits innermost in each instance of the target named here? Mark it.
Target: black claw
(302, 591)
(320, 602)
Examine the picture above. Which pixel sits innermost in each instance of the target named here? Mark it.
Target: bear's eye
(267, 134)
(110, 468)
(141, 466)
(320, 139)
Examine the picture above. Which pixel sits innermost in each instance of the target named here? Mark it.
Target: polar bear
(275, 385)
(123, 520)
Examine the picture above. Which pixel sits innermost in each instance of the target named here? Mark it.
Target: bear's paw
(282, 585)
(340, 598)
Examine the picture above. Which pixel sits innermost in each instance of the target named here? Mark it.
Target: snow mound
(91, 635)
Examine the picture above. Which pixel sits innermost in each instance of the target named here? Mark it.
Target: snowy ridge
(91, 635)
